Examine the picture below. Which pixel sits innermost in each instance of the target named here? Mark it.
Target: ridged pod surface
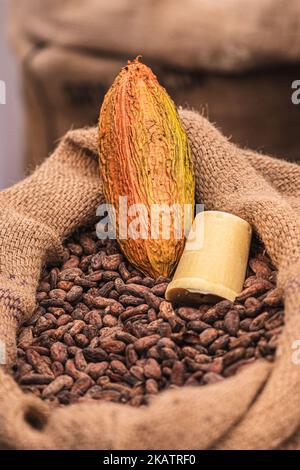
(145, 155)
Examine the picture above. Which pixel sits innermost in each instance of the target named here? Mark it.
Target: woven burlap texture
(230, 35)
(259, 408)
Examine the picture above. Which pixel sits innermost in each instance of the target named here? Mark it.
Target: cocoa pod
(143, 112)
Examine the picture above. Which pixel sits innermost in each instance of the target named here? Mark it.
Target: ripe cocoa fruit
(145, 156)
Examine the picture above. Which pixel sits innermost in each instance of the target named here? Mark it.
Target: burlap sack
(203, 34)
(70, 52)
(259, 408)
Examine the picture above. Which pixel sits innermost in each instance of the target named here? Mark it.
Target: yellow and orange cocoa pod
(145, 157)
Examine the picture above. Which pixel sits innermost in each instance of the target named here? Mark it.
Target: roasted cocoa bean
(177, 374)
(145, 343)
(189, 314)
(130, 300)
(208, 336)
(35, 379)
(95, 354)
(152, 369)
(100, 320)
(82, 384)
(58, 384)
(260, 268)
(59, 352)
(95, 370)
(232, 322)
(113, 346)
(257, 288)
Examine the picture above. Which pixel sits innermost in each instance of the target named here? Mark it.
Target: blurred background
(234, 61)
(12, 145)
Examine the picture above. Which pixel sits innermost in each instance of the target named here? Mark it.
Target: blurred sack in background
(235, 60)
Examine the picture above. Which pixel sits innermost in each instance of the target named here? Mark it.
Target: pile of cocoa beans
(103, 331)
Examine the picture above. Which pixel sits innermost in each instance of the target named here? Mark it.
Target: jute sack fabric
(259, 408)
(63, 87)
(70, 52)
(231, 35)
